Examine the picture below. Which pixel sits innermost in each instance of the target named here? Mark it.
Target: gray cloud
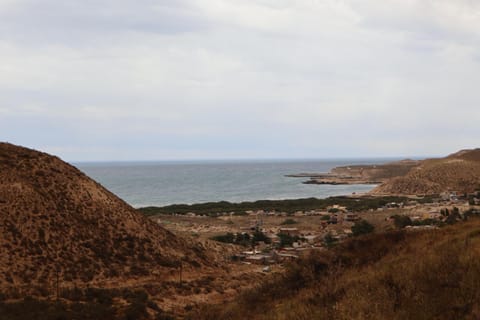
(225, 78)
(77, 23)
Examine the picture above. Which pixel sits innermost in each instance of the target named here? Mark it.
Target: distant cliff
(458, 172)
(361, 174)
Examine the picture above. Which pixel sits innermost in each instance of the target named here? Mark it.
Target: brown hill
(53, 217)
(471, 155)
(458, 172)
(379, 172)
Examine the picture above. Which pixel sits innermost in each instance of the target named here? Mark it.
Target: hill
(57, 223)
(458, 172)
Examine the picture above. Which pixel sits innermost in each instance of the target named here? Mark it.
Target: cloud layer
(145, 79)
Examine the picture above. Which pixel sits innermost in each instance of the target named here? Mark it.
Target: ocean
(185, 182)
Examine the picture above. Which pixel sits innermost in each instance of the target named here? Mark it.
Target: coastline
(369, 174)
(179, 183)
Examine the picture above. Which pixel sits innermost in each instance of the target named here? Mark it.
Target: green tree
(260, 236)
(287, 240)
(242, 239)
(362, 227)
(453, 216)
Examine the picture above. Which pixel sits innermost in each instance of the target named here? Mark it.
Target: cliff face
(458, 172)
(55, 218)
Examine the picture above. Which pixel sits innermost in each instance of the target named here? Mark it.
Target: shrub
(226, 238)
(329, 240)
(287, 240)
(401, 221)
(362, 227)
(288, 221)
(260, 236)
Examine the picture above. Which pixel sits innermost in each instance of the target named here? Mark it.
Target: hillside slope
(458, 172)
(53, 217)
(398, 275)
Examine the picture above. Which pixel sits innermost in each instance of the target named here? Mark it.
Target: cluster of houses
(335, 225)
(272, 253)
(338, 226)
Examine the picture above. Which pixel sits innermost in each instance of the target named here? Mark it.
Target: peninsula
(360, 174)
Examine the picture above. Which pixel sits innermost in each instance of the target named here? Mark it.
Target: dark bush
(362, 227)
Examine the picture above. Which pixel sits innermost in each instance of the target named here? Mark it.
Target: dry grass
(55, 219)
(459, 172)
(428, 275)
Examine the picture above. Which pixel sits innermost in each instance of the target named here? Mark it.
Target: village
(272, 237)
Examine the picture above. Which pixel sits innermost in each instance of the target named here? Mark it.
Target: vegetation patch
(288, 221)
(84, 304)
(288, 206)
(395, 275)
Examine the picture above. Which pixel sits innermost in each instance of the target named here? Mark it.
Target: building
(352, 217)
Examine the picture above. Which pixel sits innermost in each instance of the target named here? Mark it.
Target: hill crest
(458, 172)
(53, 217)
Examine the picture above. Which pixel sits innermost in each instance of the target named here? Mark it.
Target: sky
(237, 79)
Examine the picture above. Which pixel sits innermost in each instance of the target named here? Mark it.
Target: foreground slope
(458, 172)
(400, 275)
(55, 218)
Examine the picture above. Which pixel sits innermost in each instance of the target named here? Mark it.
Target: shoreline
(332, 179)
(358, 174)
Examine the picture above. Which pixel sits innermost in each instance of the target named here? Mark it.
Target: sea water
(174, 182)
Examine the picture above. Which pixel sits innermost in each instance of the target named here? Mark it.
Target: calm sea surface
(162, 183)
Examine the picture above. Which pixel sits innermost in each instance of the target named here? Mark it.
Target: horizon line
(254, 159)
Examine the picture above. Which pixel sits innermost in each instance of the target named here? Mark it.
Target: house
(313, 238)
(257, 259)
(352, 217)
(298, 214)
(273, 237)
(393, 205)
(449, 196)
(286, 257)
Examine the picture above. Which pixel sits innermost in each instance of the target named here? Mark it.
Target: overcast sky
(216, 79)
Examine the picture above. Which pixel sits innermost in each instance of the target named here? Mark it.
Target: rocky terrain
(58, 224)
(459, 172)
(361, 174)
